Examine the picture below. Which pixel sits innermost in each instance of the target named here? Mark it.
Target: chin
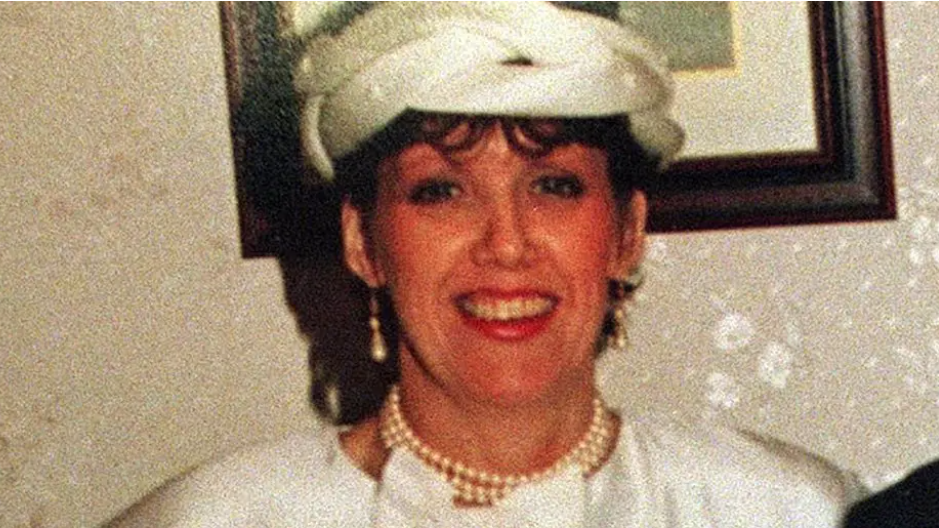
(528, 385)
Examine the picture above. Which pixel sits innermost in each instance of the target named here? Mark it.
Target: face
(497, 264)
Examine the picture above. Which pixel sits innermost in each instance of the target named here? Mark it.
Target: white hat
(457, 57)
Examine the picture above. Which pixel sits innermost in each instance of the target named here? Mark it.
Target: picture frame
(847, 178)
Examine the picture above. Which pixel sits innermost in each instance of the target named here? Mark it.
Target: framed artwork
(797, 131)
(785, 107)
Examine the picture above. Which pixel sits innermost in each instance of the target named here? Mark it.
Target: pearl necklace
(475, 487)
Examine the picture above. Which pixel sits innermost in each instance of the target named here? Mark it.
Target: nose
(505, 239)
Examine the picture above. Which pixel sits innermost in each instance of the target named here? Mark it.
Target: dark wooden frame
(850, 178)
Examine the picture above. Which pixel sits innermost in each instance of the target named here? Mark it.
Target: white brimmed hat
(457, 57)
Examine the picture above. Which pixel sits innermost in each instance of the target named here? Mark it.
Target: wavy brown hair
(347, 386)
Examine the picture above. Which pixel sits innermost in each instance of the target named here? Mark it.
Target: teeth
(497, 310)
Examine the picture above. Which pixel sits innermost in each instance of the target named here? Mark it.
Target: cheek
(396, 250)
(413, 255)
(588, 244)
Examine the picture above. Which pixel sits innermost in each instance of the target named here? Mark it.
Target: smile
(507, 309)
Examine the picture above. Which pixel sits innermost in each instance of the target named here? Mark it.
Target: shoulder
(734, 470)
(297, 477)
(912, 503)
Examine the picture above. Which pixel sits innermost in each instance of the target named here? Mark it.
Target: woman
(490, 157)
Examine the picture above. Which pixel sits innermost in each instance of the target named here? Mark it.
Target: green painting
(694, 35)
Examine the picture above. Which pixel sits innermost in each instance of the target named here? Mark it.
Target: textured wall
(824, 335)
(134, 341)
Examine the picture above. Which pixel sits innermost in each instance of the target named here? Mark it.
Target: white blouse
(663, 474)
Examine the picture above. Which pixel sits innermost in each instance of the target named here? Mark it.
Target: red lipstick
(507, 315)
(512, 330)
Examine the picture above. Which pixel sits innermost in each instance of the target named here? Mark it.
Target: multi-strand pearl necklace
(482, 488)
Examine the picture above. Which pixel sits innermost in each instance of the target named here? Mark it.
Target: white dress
(663, 474)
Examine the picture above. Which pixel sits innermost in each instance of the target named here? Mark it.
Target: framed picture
(785, 106)
(797, 132)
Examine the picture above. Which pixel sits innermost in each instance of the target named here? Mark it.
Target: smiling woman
(496, 254)
(490, 159)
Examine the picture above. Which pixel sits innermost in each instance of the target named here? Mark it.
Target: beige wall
(136, 342)
(135, 339)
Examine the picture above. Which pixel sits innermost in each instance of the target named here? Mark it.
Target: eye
(433, 192)
(566, 186)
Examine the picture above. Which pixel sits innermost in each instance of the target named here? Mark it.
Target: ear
(355, 246)
(632, 245)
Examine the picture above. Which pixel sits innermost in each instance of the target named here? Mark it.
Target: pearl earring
(378, 349)
(621, 291)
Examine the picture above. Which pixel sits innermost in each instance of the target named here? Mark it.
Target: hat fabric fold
(523, 59)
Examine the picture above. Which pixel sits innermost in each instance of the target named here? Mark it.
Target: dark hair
(342, 366)
(630, 166)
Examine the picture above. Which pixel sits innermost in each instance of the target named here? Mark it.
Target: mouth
(507, 308)
(508, 315)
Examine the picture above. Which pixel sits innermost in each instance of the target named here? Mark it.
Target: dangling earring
(333, 401)
(378, 349)
(620, 292)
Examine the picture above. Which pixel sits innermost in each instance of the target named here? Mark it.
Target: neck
(524, 435)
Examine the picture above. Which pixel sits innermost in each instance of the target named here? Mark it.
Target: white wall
(135, 341)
